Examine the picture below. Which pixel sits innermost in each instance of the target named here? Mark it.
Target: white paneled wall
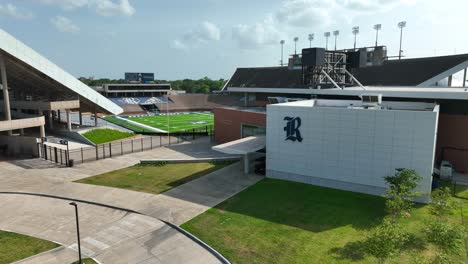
(351, 149)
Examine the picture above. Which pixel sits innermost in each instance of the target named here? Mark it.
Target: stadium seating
(201, 102)
(177, 103)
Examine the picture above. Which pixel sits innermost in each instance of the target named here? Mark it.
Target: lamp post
(401, 25)
(282, 47)
(168, 123)
(336, 33)
(327, 35)
(311, 37)
(355, 33)
(77, 232)
(377, 27)
(296, 39)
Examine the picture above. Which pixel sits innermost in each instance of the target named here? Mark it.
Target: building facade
(341, 144)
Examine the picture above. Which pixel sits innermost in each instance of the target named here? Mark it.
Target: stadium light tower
(296, 39)
(282, 46)
(327, 35)
(311, 37)
(336, 33)
(377, 27)
(401, 25)
(355, 33)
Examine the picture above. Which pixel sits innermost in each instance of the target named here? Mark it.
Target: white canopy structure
(244, 147)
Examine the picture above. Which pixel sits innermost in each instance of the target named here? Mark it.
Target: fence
(194, 132)
(67, 157)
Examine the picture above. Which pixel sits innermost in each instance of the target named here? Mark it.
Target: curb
(199, 242)
(179, 229)
(75, 200)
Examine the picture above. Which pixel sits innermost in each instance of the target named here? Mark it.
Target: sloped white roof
(242, 146)
(22, 52)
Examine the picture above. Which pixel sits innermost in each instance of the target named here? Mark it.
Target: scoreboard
(139, 77)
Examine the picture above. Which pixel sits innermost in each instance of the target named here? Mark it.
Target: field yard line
(142, 125)
(205, 114)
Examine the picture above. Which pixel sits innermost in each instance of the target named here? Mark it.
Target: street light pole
(355, 33)
(327, 35)
(282, 46)
(401, 25)
(311, 37)
(77, 232)
(377, 27)
(336, 33)
(296, 39)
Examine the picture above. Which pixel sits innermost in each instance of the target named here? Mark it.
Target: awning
(242, 146)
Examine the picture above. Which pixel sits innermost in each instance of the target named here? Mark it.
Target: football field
(176, 122)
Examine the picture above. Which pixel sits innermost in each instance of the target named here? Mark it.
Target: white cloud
(257, 35)
(306, 13)
(206, 32)
(67, 4)
(373, 5)
(10, 10)
(109, 8)
(177, 44)
(64, 24)
(101, 7)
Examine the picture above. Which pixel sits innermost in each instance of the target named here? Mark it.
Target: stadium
(337, 121)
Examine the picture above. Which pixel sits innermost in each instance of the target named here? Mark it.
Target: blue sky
(191, 39)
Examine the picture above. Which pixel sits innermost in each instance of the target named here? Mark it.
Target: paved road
(176, 206)
(109, 235)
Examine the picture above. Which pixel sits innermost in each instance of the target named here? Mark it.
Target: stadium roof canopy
(421, 72)
(31, 77)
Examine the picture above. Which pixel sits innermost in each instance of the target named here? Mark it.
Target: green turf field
(178, 122)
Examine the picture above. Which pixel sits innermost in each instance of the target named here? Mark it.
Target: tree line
(203, 85)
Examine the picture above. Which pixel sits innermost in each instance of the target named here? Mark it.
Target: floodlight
(401, 25)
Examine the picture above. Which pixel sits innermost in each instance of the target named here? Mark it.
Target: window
(252, 130)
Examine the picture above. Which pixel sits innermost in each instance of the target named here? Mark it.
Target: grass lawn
(14, 247)
(278, 221)
(178, 122)
(99, 136)
(86, 261)
(153, 179)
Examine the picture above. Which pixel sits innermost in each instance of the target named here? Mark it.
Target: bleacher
(177, 103)
(201, 102)
(138, 100)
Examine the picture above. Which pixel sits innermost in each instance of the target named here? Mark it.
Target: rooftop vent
(371, 100)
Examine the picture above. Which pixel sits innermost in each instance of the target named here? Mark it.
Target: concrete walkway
(176, 206)
(110, 236)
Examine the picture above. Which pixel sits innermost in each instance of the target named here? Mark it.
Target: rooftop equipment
(371, 100)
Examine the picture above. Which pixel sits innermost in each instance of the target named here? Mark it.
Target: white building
(346, 145)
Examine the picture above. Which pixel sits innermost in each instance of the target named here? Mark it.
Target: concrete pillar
(450, 81)
(464, 78)
(42, 131)
(6, 96)
(246, 164)
(58, 115)
(69, 125)
(51, 119)
(21, 132)
(246, 99)
(95, 116)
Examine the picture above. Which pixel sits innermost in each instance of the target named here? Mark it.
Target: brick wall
(228, 122)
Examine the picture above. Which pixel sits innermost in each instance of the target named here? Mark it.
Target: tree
(442, 203)
(448, 237)
(400, 193)
(386, 240)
